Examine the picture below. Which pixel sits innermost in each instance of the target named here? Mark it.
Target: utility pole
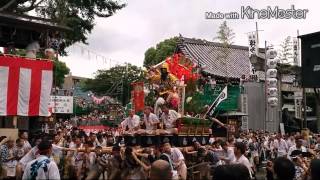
(265, 86)
(305, 125)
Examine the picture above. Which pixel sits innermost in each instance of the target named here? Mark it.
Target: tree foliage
(225, 37)
(79, 15)
(286, 53)
(225, 34)
(162, 50)
(60, 69)
(115, 82)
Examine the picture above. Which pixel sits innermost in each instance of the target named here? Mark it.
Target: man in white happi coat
(131, 124)
(168, 120)
(151, 122)
(42, 167)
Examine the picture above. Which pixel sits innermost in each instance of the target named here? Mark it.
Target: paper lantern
(273, 101)
(272, 63)
(272, 82)
(272, 92)
(271, 54)
(272, 73)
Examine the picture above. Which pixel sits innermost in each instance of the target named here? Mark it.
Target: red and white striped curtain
(25, 86)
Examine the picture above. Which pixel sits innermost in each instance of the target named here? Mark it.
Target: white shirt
(244, 161)
(26, 146)
(176, 155)
(102, 144)
(51, 173)
(281, 146)
(131, 122)
(170, 118)
(290, 143)
(229, 155)
(152, 119)
(92, 160)
(31, 155)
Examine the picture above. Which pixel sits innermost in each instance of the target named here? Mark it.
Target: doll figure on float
(49, 53)
(173, 98)
(32, 50)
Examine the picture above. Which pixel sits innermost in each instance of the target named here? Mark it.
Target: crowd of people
(71, 153)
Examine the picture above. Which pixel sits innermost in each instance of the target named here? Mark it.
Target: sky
(125, 36)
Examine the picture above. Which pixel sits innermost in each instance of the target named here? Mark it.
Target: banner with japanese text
(138, 96)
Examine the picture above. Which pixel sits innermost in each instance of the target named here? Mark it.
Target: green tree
(225, 37)
(75, 14)
(286, 53)
(115, 82)
(225, 34)
(60, 69)
(163, 49)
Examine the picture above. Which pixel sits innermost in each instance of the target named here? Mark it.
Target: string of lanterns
(271, 83)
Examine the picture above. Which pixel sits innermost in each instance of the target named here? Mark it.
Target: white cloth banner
(253, 43)
(296, 50)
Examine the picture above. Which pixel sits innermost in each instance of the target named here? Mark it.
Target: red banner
(138, 96)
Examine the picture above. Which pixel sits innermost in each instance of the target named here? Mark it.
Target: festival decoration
(181, 67)
(25, 86)
(222, 96)
(271, 81)
(32, 49)
(175, 70)
(138, 96)
(98, 100)
(159, 102)
(49, 53)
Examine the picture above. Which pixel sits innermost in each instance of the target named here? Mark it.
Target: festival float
(177, 82)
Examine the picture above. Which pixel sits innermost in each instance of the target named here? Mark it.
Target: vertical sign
(296, 51)
(182, 94)
(298, 104)
(244, 109)
(253, 43)
(282, 129)
(138, 96)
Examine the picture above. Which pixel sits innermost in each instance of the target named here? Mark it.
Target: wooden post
(15, 121)
(265, 87)
(182, 95)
